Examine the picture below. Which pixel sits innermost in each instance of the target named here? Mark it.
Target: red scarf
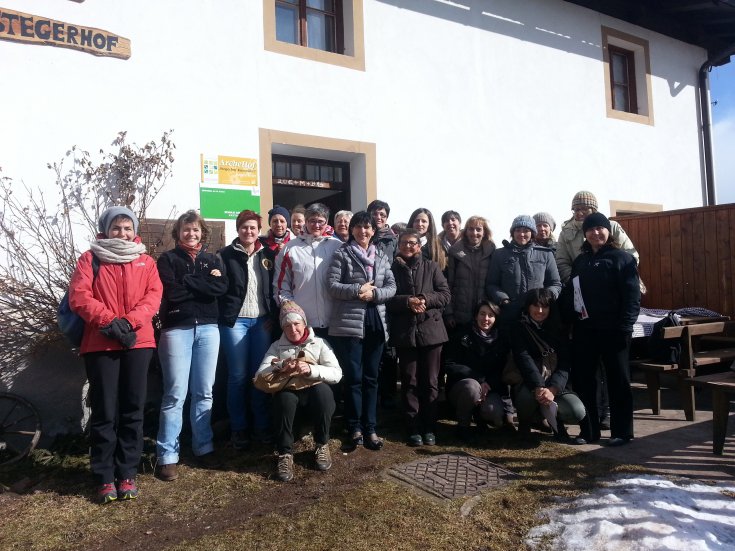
(191, 251)
(302, 340)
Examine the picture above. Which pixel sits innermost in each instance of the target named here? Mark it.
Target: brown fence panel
(687, 257)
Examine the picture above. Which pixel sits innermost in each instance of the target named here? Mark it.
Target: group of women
(507, 344)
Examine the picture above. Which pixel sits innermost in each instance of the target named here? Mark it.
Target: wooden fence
(687, 257)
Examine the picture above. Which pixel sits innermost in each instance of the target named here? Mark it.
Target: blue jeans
(188, 357)
(245, 346)
(360, 361)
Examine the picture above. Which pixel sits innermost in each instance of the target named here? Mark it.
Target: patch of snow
(641, 513)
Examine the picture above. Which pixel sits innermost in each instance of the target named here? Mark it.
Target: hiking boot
(240, 440)
(107, 493)
(415, 440)
(323, 458)
(168, 473)
(126, 489)
(429, 439)
(284, 468)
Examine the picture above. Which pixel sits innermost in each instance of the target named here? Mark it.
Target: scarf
(117, 251)
(366, 257)
(191, 251)
(384, 233)
(272, 241)
(302, 340)
(528, 320)
(487, 338)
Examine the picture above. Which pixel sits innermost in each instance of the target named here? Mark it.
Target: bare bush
(40, 232)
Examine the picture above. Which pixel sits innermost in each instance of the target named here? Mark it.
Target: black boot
(561, 435)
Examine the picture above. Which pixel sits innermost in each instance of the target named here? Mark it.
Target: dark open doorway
(303, 181)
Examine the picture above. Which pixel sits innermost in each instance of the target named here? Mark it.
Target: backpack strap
(95, 266)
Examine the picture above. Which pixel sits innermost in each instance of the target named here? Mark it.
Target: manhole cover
(452, 475)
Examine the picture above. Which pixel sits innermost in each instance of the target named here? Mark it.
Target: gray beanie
(523, 221)
(110, 214)
(545, 218)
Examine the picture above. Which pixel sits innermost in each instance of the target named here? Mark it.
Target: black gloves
(120, 330)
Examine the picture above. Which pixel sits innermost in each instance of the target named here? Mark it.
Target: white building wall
(486, 114)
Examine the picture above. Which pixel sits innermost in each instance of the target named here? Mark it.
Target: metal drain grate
(448, 476)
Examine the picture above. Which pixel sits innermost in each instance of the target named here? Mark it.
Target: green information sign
(226, 204)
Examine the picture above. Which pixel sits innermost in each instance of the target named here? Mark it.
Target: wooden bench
(691, 358)
(722, 386)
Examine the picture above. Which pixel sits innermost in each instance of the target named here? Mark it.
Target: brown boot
(168, 473)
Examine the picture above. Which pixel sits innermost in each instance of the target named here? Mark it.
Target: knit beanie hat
(523, 221)
(110, 214)
(594, 220)
(584, 199)
(283, 211)
(545, 218)
(288, 308)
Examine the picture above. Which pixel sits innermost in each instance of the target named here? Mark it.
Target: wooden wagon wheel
(20, 428)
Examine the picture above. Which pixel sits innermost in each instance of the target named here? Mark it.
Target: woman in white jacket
(306, 361)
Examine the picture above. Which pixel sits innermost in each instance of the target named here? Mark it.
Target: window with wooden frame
(311, 23)
(626, 66)
(622, 80)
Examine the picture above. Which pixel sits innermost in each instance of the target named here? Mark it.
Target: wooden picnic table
(722, 386)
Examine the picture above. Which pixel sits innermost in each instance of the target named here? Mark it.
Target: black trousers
(117, 391)
(590, 346)
(420, 386)
(317, 400)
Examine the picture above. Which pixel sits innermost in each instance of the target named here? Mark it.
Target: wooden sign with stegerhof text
(34, 29)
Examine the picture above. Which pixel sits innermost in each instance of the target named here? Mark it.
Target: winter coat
(610, 289)
(235, 262)
(469, 356)
(131, 291)
(301, 276)
(386, 242)
(189, 290)
(526, 353)
(468, 269)
(421, 278)
(515, 270)
(325, 370)
(570, 242)
(345, 276)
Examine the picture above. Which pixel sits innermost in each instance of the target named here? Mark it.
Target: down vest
(468, 268)
(131, 291)
(419, 278)
(345, 276)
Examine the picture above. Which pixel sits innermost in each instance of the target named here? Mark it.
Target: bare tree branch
(38, 242)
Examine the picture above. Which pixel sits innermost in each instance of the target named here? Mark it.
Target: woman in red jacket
(117, 305)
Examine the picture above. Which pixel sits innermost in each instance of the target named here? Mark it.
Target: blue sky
(722, 91)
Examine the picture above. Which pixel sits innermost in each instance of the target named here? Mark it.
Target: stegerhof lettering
(33, 29)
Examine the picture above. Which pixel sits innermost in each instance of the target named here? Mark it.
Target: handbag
(274, 381)
(546, 364)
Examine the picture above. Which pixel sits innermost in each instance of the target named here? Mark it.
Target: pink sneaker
(107, 493)
(126, 489)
